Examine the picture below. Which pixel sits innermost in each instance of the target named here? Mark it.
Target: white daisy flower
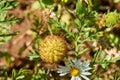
(77, 69)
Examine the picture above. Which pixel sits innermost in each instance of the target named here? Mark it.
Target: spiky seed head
(111, 18)
(52, 49)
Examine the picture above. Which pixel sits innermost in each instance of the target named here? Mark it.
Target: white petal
(77, 63)
(86, 78)
(75, 78)
(62, 74)
(64, 66)
(86, 73)
(87, 69)
(61, 67)
(72, 78)
(60, 71)
(64, 70)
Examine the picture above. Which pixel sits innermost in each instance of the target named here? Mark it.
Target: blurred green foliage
(6, 20)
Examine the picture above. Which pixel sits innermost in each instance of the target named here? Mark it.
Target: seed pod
(52, 49)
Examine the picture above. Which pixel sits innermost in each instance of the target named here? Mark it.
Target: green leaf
(47, 3)
(36, 5)
(115, 59)
(6, 21)
(82, 51)
(96, 56)
(37, 23)
(6, 76)
(22, 71)
(10, 34)
(104, 65)
(58, 13)
(13, 74)
(20, 77)
(80, 9)
(33, 55)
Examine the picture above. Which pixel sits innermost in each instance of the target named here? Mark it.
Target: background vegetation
(89, 28)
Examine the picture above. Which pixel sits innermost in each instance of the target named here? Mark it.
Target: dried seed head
(52, 49)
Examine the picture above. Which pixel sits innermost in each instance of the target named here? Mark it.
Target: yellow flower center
(74, 72)
(65, 1)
